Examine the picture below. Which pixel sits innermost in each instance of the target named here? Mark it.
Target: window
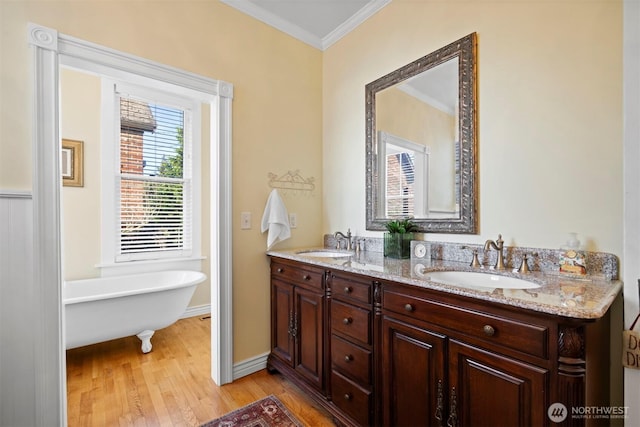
(154, 176)
(400, 183)
(404, 166)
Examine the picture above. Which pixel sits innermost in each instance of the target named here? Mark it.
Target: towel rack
(292, 180)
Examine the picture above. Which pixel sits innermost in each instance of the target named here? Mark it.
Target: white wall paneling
(17, 376)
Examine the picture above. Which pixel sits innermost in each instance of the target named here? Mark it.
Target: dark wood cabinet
(351, 329)
(461, 381)
(413, 375)
(297, 319)
(492, 390)
(375, 352)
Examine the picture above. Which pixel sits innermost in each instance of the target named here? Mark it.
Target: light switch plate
(245, 220)
(293, 220)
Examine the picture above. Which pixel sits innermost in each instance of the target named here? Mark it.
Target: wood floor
(115, 384)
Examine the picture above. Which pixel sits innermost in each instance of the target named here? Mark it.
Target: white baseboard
(250, 366)
(197, 310)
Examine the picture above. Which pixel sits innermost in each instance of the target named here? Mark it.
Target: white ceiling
(319, 23)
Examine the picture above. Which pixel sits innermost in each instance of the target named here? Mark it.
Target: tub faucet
(497, 245)
(339, 235)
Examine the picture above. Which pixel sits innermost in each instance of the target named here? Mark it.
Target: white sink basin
(325, 254)
(482, 280)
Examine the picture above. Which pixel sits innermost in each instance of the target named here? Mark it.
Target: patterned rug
(267, 412)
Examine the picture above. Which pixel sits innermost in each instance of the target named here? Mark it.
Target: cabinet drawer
(351, 398)
(352, 321)
(303, 275)
(524, 337)
(345, 289)
(351, 360)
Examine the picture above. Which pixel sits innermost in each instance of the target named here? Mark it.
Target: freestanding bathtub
(107, 308)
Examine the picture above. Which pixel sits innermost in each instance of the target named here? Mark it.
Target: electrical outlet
(245, 220)
(293, 220)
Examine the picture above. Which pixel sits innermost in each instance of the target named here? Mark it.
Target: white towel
(276, 220)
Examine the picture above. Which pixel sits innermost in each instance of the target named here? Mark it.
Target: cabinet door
(493, 390)
(413, 381)
(282, 318)
(308, 335)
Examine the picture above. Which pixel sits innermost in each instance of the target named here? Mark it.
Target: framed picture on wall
(72, 157)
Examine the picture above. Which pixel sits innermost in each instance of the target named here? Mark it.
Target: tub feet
(145, 337)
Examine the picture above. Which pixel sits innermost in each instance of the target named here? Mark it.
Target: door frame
(631, 227)
(49, 50)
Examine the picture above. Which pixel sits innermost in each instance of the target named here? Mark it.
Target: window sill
(148, 266)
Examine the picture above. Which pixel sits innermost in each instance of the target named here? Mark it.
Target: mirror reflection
(417, 134)
(421, 142)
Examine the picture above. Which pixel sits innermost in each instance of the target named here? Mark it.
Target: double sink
(449, 277)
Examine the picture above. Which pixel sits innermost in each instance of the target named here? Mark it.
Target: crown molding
(301, 34)
(275, 21)
(356, 19)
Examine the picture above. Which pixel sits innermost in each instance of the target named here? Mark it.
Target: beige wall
(277, 111)
(80, 121)
(549, 111)
(80, 95)
(550, 119)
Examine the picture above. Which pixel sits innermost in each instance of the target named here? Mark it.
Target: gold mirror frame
(465, 50)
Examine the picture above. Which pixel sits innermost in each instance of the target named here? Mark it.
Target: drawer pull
(348, 358)
(306, 277)
(347, 320)
(280, 270)
(408, 307)
(347, 396)
(489, 330)
(347, 289)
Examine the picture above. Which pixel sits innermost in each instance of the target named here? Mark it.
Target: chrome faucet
(339, 235)
(497, 245)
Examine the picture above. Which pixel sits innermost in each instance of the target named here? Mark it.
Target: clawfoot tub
(107, 308)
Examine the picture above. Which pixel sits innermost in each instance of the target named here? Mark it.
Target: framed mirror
(421, 142)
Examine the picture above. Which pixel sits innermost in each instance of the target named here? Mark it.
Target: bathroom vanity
(375, 341)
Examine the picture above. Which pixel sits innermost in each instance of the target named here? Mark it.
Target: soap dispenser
(572, 258)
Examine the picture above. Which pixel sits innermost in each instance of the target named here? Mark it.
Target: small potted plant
(397, 239)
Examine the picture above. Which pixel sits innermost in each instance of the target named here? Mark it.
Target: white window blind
(400, 184)
(154, 180)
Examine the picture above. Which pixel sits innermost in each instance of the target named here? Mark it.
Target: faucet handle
(524, 266)
(474, 261)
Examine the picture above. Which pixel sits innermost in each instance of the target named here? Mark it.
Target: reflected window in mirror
(405, 167)
(424, 114)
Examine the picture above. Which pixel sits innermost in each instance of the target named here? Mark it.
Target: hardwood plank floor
(115, 384)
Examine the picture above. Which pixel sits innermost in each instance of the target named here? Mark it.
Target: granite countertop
(586, 297)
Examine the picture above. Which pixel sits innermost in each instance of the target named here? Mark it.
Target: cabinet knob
(280, 269)
(489, 330)
(306, 277)
(347, 320)
(347, 396)
(348, 358)
(408, 307)
(347, 289)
